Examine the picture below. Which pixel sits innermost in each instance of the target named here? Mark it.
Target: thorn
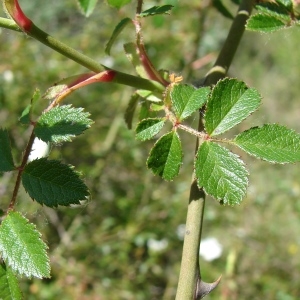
(204, 288)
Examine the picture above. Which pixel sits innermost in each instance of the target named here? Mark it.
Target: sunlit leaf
(149, 95)
(9, 286)
(6, 159)
(62, 123)
(271, 142)
(231, 101)
(52, 183)
(22, 248)
(148, 128)
(186, 99)
(165, 157)
(221, 173)
(157, 10)
(265, 23)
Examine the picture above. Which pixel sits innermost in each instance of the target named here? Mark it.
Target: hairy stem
(190, 285)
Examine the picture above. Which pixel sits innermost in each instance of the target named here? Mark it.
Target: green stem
(82, 59)
(190, 285)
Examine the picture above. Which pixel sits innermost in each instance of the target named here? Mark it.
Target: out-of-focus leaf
(221, 173)
(6, 159)
(118, 29)
(231, 101)
(118, 3)
(148, 128)
(271, 142)
(132, 55)
(9, 286)
(87, 6)
(22, 248)
(156, 10)
(26, 114)
(149, 95)
(165, 157)
(186, 99)
(130, 110)
(218, 4)
(62, 123)
(52, 183)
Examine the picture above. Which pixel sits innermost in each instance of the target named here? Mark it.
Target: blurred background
(126, 242)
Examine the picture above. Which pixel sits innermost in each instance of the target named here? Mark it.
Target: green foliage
(62, 123)
(156, 10)
(271, 142)
(6, 159)
(118, 29)
(231, 102)
(22, 248)
(221, 173)
(9, 285)
(118, 3)
(87, 6)
(186, 99)
(148, 128)
(273, 16)
(165, 157)
(52, 183)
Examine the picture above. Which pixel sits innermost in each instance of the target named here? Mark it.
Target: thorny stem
(190, 285)
(20, 172)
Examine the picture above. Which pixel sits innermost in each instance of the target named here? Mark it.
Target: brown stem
(20, 172)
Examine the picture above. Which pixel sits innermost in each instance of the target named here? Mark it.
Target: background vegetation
(126, 243)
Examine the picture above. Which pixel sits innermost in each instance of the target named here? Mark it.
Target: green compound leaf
(52, 183)
(9, 285)
(186, 99)
(265, 23)
(118, 3)
(22, 248)
(6, 159)
(118, 29)
(271, 142)
(87, 6)
(221, 173)
(148, 128)
(165, 157)
(156, 10)
(62, 123)
(231, 101)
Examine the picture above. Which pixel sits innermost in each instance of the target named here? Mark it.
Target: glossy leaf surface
(231, 101)
(165, 157)
(22, 248)
(221, 173)
(271, 142)
(52, 183)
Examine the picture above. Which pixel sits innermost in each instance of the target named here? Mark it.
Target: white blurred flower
(8, 76)
(180, 231)
(210, 249)
(157, 245)
(39, 149)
